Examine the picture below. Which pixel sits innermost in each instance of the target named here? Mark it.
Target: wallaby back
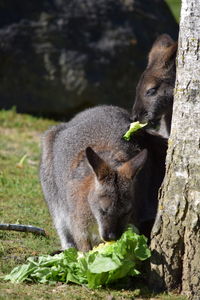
(87, 174)
(154, 92)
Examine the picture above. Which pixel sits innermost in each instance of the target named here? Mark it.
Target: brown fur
(83, 216)
(81, 155)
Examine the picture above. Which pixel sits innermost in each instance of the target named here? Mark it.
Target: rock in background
(60, 56)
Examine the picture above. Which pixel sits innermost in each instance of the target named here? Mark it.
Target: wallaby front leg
(81, 238)
(64, 234)
(84, 245)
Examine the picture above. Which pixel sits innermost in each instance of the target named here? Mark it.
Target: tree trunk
(175, 263)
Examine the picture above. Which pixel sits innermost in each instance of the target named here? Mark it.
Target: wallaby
(87, 175)
(95, 182)
(154, 92)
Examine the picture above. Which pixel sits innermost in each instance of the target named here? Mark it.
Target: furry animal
(154, 92)
(95, 182)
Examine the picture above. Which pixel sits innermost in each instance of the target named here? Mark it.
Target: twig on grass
(23, 228)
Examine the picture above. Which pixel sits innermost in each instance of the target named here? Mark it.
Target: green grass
(175, 6)
(21, 202)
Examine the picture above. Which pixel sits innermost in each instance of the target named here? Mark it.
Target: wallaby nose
(139, 117)
(112, 236)
(109, 237)
(134, 118)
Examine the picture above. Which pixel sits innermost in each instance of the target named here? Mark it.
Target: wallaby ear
(170, 55)
(163, 41)
(130, 168)
(162, 50)
(98, 165)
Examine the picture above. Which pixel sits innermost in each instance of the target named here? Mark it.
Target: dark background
(58, 57)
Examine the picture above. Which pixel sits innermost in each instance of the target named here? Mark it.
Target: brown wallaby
(154, 92)
(91, 178)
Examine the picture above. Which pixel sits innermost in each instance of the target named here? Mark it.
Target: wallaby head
(111, 200)
(154, 92)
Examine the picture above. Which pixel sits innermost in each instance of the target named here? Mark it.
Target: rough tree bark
(175, 243)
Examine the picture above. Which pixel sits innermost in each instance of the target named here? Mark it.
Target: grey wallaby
(154, 92)
(89, 176)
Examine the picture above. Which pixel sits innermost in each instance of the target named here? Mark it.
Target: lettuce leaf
(135, 126)
(99, 267)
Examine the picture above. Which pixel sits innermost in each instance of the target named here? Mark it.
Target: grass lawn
(21, 202)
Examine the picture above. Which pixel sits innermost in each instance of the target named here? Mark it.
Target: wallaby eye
(151, 92)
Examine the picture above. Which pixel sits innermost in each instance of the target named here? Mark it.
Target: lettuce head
(101, 266)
